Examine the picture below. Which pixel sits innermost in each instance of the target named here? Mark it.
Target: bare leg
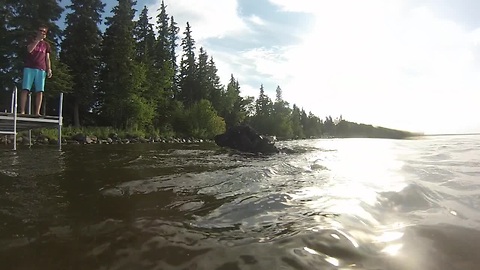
(38, 102)
(23, 100)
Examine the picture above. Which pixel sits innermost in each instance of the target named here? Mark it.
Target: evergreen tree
(173, 31)
(282, 116)
(122, 80)
(6, 55)
(62, 82)
(202, 79)
(159, 71)
(19, 23)
(297, 127)
(234, 108)
(263, 104)
(162, 46)
(214, 88)
(144, 38)
(329, 126)
(81, 52)
(187, 80)
(262, 120)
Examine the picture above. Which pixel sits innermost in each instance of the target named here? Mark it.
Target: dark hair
(43, 26)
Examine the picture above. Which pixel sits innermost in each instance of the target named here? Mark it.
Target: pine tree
(297, 127)
(144, 38)
(282, 116)
(263, 104)
(159, 72)
(19, 23)
(214, 88)
(173, 31)
(81, 52)
(187, 80)
(234, 108)
(122, 80)
(162, 45)
(262, 119)
(202, 76)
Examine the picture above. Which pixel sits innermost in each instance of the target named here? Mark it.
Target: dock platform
(12, 122)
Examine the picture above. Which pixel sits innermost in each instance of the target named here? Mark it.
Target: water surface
(335, 204)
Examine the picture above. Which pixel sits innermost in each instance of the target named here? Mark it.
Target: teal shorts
(33, 76)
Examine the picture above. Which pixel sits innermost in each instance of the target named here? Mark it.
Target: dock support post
(60, 122)
(30, 112)
(14, 107)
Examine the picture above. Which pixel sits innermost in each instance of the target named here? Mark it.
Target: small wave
(412, 197)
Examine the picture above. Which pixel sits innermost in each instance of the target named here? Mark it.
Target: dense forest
(136, 75)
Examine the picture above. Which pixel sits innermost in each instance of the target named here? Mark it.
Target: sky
(404, 64)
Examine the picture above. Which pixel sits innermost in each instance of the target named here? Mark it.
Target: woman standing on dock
(37, 67)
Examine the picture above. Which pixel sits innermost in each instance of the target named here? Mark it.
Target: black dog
(244, 138)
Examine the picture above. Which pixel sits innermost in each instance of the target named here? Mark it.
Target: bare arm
(31, 46)
(49, 66)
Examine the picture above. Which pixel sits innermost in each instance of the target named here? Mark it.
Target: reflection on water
(336, 204)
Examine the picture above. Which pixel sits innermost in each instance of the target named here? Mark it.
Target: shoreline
(81, 139)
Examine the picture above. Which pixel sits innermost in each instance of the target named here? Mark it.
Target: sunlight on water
(336, 204)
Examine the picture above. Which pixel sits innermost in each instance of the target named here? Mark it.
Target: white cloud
(387, 63)
(256, 20)
(382, 63)
(208, 18)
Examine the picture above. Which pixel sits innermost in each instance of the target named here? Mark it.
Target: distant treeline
(130, 76)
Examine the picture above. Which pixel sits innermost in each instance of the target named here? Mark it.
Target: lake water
(335, 204)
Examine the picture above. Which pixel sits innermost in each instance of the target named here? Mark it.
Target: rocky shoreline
(81, 139)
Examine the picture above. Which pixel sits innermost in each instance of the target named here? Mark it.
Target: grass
(99, 132)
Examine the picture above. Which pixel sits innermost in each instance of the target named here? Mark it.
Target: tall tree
(81, 52)
(162, 45)
(122, 80)
(263, 104)
(144, 38)
(19, 21)
(187, 80)
(214, 87)
(297, 127)
(158, 72)
(202, 76)
(234, 107)
(282, 116)
(262, 119)
(173, 31)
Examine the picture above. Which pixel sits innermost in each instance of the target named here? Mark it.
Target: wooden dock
(12, 122)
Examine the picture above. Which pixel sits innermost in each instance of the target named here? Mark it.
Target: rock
(244, 138)
(79, 137)
(113, 136)
(88, 140)
(41, 139)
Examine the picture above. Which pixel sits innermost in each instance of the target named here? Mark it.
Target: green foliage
(282, 117)
(203, 120)
(118, 81)
(262, 120)
(61, 81)
(297, 127)
(81, 53)
(140, 113)
(180, 118)
(188, 70)
(231, 106)
(144, 38)
(18, 22)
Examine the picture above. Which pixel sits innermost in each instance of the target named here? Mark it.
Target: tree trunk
(76, 114)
